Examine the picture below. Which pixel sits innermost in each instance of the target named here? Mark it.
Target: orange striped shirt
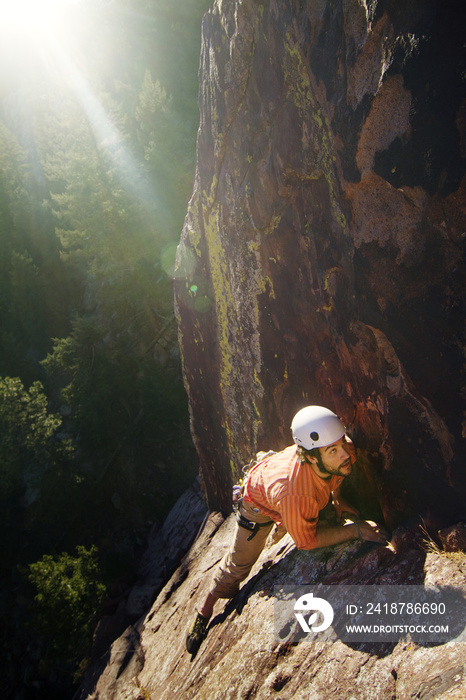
(291, 493)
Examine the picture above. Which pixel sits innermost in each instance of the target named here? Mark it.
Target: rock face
(243, 658)
(165, 549)
(321, 256)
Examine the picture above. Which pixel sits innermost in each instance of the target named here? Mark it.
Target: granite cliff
(321, 256)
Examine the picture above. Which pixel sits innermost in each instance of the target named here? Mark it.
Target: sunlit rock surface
(242, 656)
(321, 256)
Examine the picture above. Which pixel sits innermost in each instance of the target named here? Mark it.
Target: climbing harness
(238, 491)
(250, 525)
(238, 488)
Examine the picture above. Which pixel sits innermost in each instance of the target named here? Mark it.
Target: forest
(98, 123)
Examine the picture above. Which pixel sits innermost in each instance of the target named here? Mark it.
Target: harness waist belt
(250, 525)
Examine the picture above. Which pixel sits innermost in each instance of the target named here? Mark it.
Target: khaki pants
(244, 552)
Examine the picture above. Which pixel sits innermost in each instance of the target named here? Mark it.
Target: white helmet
(316, 426)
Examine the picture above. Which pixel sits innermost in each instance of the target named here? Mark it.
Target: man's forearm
(360, 529)
(335, 534)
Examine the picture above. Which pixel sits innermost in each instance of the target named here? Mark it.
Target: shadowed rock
(321, 256)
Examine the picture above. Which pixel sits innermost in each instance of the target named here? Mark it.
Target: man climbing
(290, 488)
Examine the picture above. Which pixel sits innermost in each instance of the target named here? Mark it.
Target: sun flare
(34, 34)
(33, 18)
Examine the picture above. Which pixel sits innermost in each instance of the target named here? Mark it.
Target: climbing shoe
(197, 633)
